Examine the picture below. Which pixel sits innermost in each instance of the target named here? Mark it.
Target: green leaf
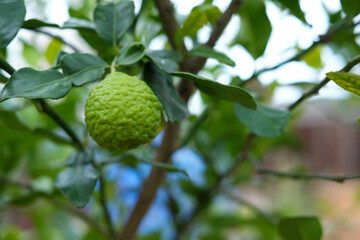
(161, 84)
(300, 228)
(350, 7)
(294, 7)
(212, 12)
(348, 81)
(206, 52)
(12, 14)
(12, 120)
(255, 28)
(36, 23)
(82, 67)
(264, 121)
(215, 89)
(29, 83)
(132, 54)
(77, 183)
(113, 19)
(196, 20)
(79, 24)
(166, 167)
(313, 58)
(166, 60)
(53, 50)
(80, 157)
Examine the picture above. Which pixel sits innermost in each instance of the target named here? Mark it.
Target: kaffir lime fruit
(122, 112)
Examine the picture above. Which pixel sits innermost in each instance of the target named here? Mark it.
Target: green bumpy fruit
(122, 112)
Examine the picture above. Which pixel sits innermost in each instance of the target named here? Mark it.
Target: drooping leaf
(36, 23)
(348, 81)
(255, 28)
(82, 67)
(300, 228)
(294, 7)
(79, 24)
(12, 14)
(132, 54)
(77, 183)
(264, 121)
(206, 52)
(166, 60)
(53, 50)
(113, 19)
(350, 7)
(29, 83)
(215, 89)
(161, 83)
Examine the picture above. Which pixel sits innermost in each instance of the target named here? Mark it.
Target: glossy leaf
(132, 54)
(166, 60)
(215, 89)
(206, 52)
(36, 23)
(29, 83)
(300, 228)
(113, 19)
(161, 84)
(12, 14)
(77, 183)
(294, 7)
(348, 81)
(264, 121)
(82, 67)
(255, 28)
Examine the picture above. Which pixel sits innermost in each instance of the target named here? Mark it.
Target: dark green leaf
(348, 81)
(161, 83)
(25, 200)
(80, 157)
(351, 7)
(215, 89)
(12, 14)
(29, 83)
(206, 52)
(113, 19)
(300, 228)
(82, 67)
(294, 7)
(77, 184)
(36, 23)
(132, 54)
(166, 60)
(79, 24)
(12, 120)
(264, 121)
(255, 27)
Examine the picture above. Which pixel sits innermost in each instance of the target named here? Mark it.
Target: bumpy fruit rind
(122, 112)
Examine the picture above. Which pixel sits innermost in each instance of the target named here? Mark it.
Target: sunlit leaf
(53, 50)
(264, 121)
(215, 89)
(348, 81)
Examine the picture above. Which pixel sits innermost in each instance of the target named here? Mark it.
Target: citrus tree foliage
(50, 167)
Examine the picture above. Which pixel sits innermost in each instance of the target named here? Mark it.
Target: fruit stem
(113, 65)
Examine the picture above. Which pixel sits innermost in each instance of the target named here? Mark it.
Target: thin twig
(269, 218)
(307, 176)
(103, 205)
(75, 49)
(315, 90)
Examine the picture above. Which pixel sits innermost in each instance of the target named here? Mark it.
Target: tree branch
(167, 17)
(57, 38)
